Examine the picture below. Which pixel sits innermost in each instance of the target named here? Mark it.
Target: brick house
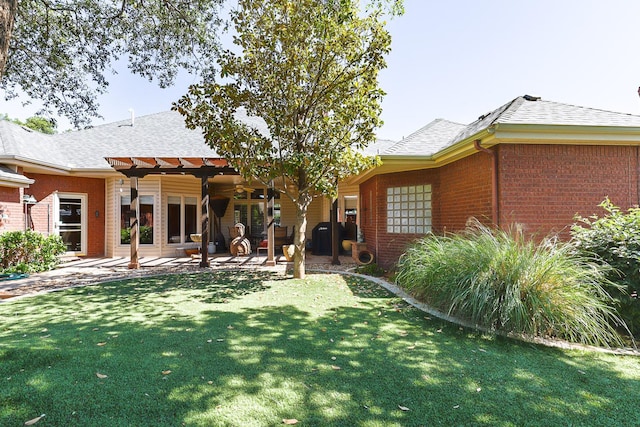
(532, 162)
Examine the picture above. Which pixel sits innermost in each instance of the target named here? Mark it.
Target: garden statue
(240, 245)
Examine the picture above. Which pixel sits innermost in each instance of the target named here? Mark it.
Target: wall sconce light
(29, 200)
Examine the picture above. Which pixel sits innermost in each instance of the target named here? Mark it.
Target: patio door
(71, 221)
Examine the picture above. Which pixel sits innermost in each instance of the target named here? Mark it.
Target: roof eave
(566, 134)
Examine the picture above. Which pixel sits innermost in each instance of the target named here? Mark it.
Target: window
(409, 209)
(146, 219)
(248, 209)
(182, 218)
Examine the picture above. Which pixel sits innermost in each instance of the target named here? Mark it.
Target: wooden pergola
(200, 167)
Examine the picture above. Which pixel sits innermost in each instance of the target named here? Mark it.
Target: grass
(251, 349)
(500, 280)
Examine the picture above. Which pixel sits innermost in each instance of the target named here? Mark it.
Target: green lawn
(251, 349)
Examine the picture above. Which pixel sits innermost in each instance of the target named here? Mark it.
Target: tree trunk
(299, 240)
(7, 18)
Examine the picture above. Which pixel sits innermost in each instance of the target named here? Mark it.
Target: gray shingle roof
(165, 135)
(156, 135)
(427, 140)
(523, 110)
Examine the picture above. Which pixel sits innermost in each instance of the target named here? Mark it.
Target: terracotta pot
(288, 251)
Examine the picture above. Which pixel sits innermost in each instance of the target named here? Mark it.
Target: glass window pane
(125, 220)
(146, 220)
(173, 220)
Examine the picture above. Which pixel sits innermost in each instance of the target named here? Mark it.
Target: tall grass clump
(502, 281)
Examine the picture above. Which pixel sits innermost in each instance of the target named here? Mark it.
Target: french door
(71, 221)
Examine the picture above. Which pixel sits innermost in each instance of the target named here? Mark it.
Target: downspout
(494, 181)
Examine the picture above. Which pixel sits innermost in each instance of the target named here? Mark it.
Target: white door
(71, 221)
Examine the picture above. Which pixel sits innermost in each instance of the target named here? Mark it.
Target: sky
(460, 59)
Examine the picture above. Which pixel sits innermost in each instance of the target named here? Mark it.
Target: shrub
(499, 280)
(146, 235)
(372, 269)
(29, 251)
(614, 239)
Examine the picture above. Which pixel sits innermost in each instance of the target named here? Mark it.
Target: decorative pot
(288, 251)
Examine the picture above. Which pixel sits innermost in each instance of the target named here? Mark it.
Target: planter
(289, 252)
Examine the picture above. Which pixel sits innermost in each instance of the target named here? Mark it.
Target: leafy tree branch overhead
(57, 51)
(309, 69)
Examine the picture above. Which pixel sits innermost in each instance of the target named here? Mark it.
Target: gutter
(494, 181)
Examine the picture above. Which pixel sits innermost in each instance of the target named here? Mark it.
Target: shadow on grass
(183, 349)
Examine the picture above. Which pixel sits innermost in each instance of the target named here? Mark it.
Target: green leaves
(309, 69)
(60, 49)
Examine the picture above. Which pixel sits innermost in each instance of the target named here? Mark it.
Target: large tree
(309, 69)
(57, 51)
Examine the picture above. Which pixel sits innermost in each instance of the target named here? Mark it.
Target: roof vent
(531, 98)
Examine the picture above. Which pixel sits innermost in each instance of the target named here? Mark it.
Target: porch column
(134, 263)
(335, 234)
(270, 235)
(204, 251)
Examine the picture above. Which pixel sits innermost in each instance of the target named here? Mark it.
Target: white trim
(84, 206)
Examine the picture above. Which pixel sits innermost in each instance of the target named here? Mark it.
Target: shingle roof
(165, 135)
(524, 110)
(156, 135)
(427, 140)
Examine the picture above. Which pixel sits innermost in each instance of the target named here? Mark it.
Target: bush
(29, 252)
(146, 235)
(499, 280)
(372, 269)
(614, 239)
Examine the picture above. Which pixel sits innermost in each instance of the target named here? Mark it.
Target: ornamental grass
(501, 280)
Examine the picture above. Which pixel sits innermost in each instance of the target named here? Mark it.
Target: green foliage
(309, 69)
(372, 269)
(146, 235)
(29, 251)
(60, 50)
(498, 279)
(37, 123)
(615, 240)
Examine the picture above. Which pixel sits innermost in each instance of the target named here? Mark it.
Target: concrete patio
(83, 271)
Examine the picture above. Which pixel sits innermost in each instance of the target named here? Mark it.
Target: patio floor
(78, 271)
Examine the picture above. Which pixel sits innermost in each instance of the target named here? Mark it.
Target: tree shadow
(204, 362)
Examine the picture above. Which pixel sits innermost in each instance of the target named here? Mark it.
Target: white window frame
(183, 236)
(84, 206)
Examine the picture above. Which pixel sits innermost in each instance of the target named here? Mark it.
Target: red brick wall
(43, 215)
(465, 191)
(543, 187)
(387, 247)
(11, 206)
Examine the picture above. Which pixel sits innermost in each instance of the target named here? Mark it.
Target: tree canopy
(37, 123)
(57, 51)
(309, 69)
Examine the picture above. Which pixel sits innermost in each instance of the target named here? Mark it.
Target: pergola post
(134, 262)
(204, 251)
(270, 234)
(335, 234)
